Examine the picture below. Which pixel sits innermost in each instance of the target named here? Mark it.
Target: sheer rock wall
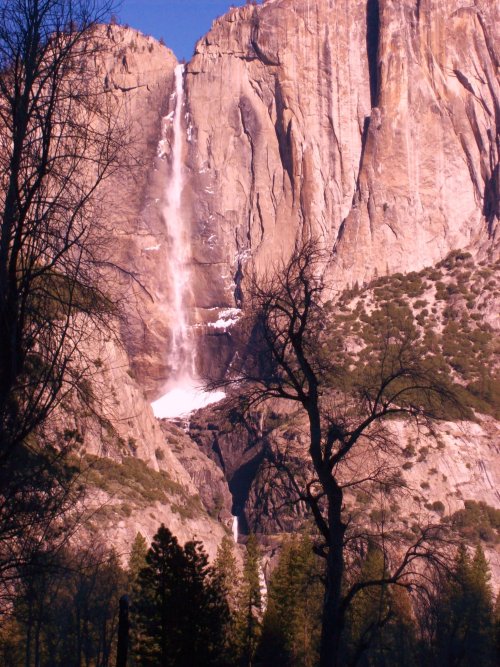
(369, 123)
(372, 124)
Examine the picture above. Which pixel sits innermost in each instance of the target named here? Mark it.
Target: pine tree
(250, 605)
(137, 561)
(370, 609)
(66, 611)
(291, 629)
(227, 579)
(179, 611)
(481, 639)
(226, 571)
(380, 627)
(496, 620)
(137, 558)
(400, 636)
(465, 613)
(205, 640)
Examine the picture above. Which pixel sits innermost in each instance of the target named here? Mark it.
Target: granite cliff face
(429, 178)
(369, 123)
(372, 124)
(139, 473)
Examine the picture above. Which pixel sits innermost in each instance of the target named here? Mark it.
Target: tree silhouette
(59, 144)
(250, 604)
(66, 611)
(350, 403)
(60, 140)
(179, 610)
(291, 629)
(228, 581)
(465, 613)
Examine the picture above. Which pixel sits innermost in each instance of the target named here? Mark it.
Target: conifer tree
(226, 571)
(496, 620)
(207, 611)
(179, 610)
(465, 613)
(228, 581)
(66, 611)
(137, 561)
(292, 623)
(250, 605)
(137, 558)
(400, 637)
(380, 628)
(370, 608)
(481, 636)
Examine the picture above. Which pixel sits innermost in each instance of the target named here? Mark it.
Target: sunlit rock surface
(371, 124)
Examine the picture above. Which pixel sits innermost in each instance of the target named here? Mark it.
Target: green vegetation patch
(477, 521)
(134, 482)
(391, 314)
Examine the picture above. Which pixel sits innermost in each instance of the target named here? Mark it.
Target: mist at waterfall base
(185, 397)
(184, 392)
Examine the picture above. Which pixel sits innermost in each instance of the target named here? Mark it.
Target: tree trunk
(27, 659)
(332, 618)
(37, 639)
(123, 632)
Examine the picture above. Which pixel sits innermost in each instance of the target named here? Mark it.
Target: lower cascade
(263, 589)
(235, 529)
(184, 391)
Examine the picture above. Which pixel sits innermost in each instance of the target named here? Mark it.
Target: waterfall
(183, 391)
(182, 352)
(235, 529)
(263, 589)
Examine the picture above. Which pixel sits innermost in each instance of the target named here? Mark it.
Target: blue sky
(180, 22)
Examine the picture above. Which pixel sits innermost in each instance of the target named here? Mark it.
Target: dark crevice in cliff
(372, 42)
(417, 10)
(364, 139)
(218, 455)
(251, 127)
(261, 55)
(283, 135)
(240, 485)
(238, 281)
(464, 81)
(254, 41)
(491, 206)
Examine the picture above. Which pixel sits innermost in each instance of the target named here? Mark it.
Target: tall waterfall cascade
(183, 391)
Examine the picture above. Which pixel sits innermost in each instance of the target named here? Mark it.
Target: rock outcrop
(139, 73)
(139, 472)
(429, 179)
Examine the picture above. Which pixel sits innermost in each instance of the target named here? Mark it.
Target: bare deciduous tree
(292, 353)
(59, 142)
(61, 137)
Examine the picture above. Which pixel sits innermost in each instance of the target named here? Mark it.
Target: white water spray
(263, 589)
(235, 529)
(183, 392)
